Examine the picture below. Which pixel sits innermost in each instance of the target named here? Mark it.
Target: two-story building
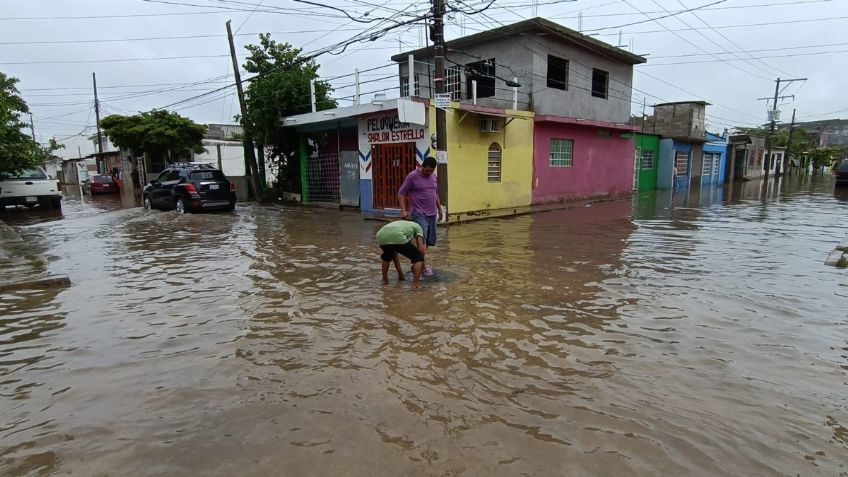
(578, 88)
(538, 114)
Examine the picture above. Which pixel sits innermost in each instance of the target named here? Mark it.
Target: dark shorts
(408, 250)
(428, 225)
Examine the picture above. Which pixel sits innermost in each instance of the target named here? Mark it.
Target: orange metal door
(391, 163)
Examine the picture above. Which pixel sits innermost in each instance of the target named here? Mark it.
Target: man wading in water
(419, 202)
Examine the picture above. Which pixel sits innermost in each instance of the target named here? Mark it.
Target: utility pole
(252, 171)
(32, 127)
(773, 119)
(789, 139)
(438, 34)
(97, 117)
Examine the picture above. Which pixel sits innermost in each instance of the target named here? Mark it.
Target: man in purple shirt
(419, 202)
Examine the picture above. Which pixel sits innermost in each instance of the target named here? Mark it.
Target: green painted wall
(647, 144)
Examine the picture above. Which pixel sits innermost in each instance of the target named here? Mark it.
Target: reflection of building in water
(574, 248)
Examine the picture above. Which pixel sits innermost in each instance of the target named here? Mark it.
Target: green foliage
(824, 156)
(281, 89)
(157, 132)
(802, 141)
(17, 150)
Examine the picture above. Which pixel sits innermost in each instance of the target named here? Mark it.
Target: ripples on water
(694, 335)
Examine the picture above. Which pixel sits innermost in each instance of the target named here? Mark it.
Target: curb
(55, 281)
(837, 253)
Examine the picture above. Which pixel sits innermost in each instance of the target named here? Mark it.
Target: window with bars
(647, 158)
(681, 161)
(453, 82)
(562, 152)
(494, 165)
(707, 166)
(404, 86)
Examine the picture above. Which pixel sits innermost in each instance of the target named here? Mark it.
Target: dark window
(600, 83)
(484, 73)
(557, 73)
(215, 175)
(173, 175)
(102, 179)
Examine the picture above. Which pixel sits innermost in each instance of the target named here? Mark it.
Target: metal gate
(322, 172)
(349, 165)
(391, 164)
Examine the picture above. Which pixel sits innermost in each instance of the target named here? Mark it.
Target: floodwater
(694, 335)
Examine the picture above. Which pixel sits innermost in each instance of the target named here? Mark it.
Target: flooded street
(694, 335)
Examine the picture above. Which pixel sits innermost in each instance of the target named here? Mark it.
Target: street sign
(442, 100)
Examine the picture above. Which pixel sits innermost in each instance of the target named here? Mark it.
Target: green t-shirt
(398, 232)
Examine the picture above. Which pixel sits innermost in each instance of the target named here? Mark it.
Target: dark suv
(187, 187)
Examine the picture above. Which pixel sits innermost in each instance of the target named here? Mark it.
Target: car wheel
(148, 206)
(180, 206)
(57, 203)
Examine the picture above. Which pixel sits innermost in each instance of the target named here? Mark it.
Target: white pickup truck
(30, 188)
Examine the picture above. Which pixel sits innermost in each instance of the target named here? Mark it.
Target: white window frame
(646, 154)
(561, 152)
(494, 162)
(453, 82)
(684, 156)
(404, 86)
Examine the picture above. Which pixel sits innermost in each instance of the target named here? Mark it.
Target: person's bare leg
(386, 272)
(400, 273)
(416, 274)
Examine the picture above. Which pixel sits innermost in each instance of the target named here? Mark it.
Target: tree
(802, 141)
(157, 133)
(18, 151)
(281, 89)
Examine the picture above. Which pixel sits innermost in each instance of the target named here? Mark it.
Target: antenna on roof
(535, 9)
(580, 22)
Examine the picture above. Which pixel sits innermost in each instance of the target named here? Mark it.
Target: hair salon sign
(388, 129)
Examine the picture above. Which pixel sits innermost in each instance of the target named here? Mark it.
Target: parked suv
(187, 187)
(842, 174)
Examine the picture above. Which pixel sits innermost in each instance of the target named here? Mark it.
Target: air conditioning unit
(491, 125)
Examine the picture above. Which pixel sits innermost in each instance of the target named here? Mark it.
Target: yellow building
(489, 165)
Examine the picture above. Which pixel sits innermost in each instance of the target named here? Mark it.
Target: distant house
(681, 124)
(647, 161)
(714, 159)
(746, 158)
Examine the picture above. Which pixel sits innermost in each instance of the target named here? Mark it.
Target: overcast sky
(154, 53)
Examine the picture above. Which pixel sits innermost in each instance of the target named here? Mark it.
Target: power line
(728, 7)
(689, 42)
(811, 53)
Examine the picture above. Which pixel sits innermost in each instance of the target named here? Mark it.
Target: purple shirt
(422, 192)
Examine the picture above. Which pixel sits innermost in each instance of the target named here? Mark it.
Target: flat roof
(535, 25)
(702, 103)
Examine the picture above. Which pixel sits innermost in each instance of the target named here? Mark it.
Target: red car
(101, 184)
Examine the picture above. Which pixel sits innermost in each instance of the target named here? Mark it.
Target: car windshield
(29, 174)
(102, 179)
(213, 175)
(844, 166)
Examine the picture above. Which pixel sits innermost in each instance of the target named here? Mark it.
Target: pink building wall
(602, 165)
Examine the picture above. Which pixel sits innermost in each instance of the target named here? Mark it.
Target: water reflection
(649, 337)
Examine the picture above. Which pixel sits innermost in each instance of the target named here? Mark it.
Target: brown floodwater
(693, 335)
